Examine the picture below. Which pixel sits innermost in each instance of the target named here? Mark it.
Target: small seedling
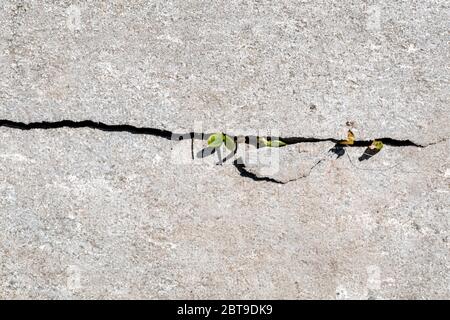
(338, 148)
(217, 139)
(376, 145)
(372, 150)
(215, 142)
(271, 143)
(350, 139)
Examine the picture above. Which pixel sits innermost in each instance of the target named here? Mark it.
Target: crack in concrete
(169, 135)
(247, 174)
(238, 163)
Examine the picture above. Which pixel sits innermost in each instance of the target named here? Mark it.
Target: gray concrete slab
(89, 214)
(305, 68)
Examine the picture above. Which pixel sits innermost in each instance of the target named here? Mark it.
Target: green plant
(350, 139)
(271, 143)
(217, 139)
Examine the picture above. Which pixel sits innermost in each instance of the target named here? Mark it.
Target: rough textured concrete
(305, 67)
(289, 163)
(92, 214)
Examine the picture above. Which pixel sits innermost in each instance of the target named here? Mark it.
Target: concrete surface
(87, 214)
(304, 67)
(92, 214)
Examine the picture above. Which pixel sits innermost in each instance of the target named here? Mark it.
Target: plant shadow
(339, 150)
(368, 153)
(206, 152)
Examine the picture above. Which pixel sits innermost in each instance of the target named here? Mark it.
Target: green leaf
(263, 141)
(271, 143)
(377, 145)
(215, 140)
(229, 143)
(276, 143)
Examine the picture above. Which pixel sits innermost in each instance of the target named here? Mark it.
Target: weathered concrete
(88, 214)
(303, 67)
(289, 163)
(92, 214)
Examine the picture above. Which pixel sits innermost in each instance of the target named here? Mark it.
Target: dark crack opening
(338, 149)
(166, 134)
